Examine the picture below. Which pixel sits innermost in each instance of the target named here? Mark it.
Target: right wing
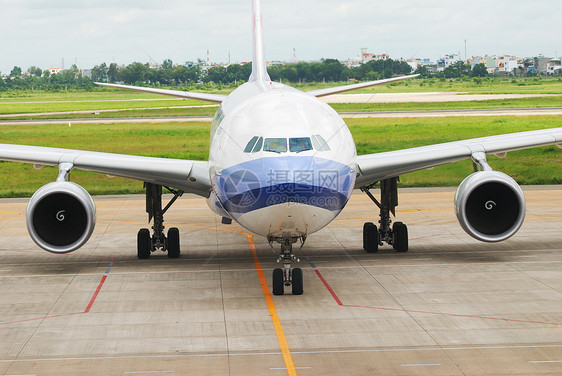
(215, 98)
(186, 175)
(379, 166)
(340, 89)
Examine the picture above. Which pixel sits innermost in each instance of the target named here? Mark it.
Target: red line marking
(41, 318)
(328, 287)
(339, 302)
(94, 297)
(95, 294)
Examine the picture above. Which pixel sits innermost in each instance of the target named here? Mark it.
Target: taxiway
(450, 306)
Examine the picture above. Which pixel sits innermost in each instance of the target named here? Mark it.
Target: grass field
(191, 141)
(146, 105)
(492, 85)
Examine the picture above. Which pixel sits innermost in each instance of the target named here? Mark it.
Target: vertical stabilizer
(259, 69)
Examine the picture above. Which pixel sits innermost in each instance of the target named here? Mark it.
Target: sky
(89, 32)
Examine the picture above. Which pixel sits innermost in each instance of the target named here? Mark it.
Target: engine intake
(61, 217)
(490, 206)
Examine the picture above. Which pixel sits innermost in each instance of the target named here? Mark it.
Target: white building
(55, 70)
(444, 62)
(554, 67)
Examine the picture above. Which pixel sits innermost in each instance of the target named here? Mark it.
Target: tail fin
(259, 68)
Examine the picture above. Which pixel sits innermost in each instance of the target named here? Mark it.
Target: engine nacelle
(61, 217)
(490, 206)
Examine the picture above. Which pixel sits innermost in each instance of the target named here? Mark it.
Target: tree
(457, 70)
(112, 72)
(135, 72)
(99, 73)
(422, 71)
(16, 72)
(34, 71)
(479, 70)
(167, 64)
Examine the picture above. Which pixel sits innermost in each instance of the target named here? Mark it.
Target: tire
(400, 237)
(370, 238)
(278, 287)
(365, 226)
(144, 244)
(173, 242)
(297, 282)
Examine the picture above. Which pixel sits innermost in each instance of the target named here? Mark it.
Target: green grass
(536, 102)
(531, 166)
(99, 93)
(143, 109)
(491, 85)
(190, 140)
(140, 113)
(90, 106)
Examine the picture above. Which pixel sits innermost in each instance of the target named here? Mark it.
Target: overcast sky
(42, 33)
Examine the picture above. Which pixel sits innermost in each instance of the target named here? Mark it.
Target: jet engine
(61, 217)
(490, 206)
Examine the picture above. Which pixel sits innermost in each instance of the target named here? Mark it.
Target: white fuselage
(282, 163)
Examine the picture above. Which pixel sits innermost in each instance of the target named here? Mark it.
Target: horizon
(124, 31)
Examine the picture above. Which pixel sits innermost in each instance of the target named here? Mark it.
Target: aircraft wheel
(278, 288)
(173, 243)
(370, 237)
(297, 281)
(143, 243)
(400, 236)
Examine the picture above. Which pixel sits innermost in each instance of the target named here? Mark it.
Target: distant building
(366, 56)
(55, 70)
(538, 65)
(512, 64)
(554, 67)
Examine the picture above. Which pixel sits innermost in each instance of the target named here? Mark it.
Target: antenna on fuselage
(259, 68)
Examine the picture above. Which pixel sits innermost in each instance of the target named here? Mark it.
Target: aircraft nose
(286, 180)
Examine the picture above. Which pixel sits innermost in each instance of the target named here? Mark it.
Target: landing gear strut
(287, 276)
(147, 243)
(397, 235)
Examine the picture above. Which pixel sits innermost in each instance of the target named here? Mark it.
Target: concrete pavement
(450, 306)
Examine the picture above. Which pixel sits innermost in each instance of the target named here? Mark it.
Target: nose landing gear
(287, 276)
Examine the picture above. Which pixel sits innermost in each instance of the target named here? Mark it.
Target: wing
(186, 175)
(215, 98)
(341, 89)
(376, 167)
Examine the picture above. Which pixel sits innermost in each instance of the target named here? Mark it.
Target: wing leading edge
(214, 98)
(376, 167)
(340, 89)
(186, 175)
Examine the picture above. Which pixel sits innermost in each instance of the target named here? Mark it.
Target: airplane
(283, 165)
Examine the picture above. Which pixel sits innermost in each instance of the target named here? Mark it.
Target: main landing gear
(397, 235)
(146, 244)
(287, 276)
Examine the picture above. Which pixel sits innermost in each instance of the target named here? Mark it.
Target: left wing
(214, 98)
(379, 166)
(186, 175)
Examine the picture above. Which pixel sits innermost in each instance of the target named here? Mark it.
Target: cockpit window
(276, 145)
(254, 145)
(279, 144)
(323, 145)
(251, 144)
(258, 145)
(296, 145)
